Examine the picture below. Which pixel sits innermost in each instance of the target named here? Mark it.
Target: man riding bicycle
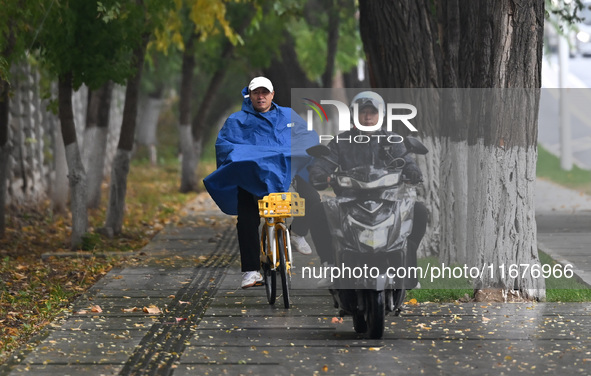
(259, 150)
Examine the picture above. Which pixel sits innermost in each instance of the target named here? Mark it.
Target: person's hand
(413, 175)
(319, 181)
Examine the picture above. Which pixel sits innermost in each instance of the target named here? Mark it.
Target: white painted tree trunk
(77, 179)
(189, 159)
(115, 119)
(118, 190)
(146, 130)
(454, 203)
(429, 195)
(501, 217)
(59, 190)
(4, 152)
(95, 145)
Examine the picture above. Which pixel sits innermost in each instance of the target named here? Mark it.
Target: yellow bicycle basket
(282, 204)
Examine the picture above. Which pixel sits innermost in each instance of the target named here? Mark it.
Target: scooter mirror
(415, 146)
(318, 151)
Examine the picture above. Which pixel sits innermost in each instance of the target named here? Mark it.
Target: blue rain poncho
(259, 152)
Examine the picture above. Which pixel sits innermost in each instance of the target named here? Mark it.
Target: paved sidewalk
(563, 218)
(206, 325)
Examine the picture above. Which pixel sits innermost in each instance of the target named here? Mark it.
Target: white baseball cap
(260, 82)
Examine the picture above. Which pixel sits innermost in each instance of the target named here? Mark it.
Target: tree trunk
(59, 191)
(4, 151)
(118, 188)
(189, 162)
(76, 173)
(332, 41)
(95, 140)
(199, 127)
(146, 130)
(410, 44)
(503, 144)
(399, 38)
(454, 147)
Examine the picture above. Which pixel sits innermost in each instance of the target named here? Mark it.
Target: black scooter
(370, 220)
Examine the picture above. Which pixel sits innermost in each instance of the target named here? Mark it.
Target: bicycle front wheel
(284, 265)
(269, 275)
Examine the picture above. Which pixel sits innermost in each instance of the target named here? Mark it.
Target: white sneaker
(250, 279)
(300, 244)
(325, 282)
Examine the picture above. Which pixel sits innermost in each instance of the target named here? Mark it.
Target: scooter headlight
(372, 236)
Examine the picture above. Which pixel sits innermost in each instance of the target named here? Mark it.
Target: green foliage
(108, 14)
(76, 39)
(262, 37)
(565, 11)
(19, 24)
(307, 27)
(95, 40)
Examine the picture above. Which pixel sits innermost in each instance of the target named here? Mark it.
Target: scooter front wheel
(375, 314)
(359, 323)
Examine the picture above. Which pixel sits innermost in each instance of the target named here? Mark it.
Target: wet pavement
(176, 310)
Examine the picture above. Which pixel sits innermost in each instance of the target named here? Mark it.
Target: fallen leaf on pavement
(152, 309)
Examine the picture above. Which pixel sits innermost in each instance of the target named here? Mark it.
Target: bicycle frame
(270, 227)
(276, 256)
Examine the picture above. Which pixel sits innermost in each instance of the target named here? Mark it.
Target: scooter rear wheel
(375, 314)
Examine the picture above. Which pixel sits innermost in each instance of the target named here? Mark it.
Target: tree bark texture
(59, 190)
(332, 41)
(117, 192)
(118, 188)
(400, 42)
(147, 126)
(188, 162)
(487, 166)
(200, 129)
(95, 140)
(76, 173)
(4, 151)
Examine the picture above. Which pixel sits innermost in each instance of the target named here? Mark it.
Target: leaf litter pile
(37, 284)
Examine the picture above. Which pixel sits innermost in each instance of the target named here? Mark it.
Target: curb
(579, 274)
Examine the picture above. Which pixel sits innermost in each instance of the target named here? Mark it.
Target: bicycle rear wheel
(283, 265)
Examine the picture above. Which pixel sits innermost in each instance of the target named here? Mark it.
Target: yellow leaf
(96, 309)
